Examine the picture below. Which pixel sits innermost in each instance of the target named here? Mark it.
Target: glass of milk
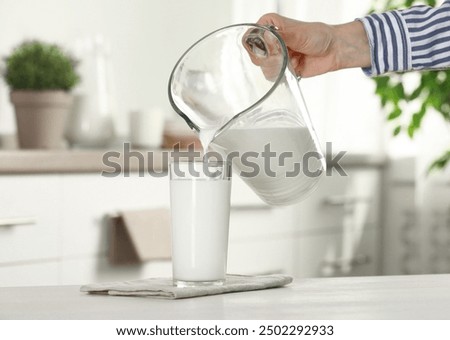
(200, 208)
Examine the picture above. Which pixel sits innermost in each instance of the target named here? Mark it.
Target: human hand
(315, 48)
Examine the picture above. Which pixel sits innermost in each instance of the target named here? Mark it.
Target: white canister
(146, 128)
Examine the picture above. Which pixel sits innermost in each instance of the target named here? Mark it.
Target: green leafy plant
(430, 93)
(36, 65)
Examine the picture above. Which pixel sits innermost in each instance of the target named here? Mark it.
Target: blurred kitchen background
(63, 223)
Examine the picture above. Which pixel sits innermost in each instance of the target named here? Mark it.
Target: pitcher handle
(274, 29)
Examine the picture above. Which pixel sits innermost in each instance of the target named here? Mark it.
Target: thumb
(271, 19)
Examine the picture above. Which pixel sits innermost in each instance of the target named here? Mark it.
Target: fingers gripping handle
(255, 41)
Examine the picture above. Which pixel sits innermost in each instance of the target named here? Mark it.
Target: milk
(288, 180)
(200, 219)
(206, 136)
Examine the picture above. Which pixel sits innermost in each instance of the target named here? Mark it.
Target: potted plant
(40, 76)
(431, 93)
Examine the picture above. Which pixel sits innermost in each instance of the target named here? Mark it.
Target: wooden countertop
(77, 161)
(378, 297)
(91, 161)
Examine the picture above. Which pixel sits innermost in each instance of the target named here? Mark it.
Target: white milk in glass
(200, 220)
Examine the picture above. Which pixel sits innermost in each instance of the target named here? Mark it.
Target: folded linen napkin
(164, 288)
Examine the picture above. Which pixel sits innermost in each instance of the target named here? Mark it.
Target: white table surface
(383, 297)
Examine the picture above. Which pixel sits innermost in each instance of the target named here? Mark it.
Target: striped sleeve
(412, 39)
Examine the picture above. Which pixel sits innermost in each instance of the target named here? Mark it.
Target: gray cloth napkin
(164, 288)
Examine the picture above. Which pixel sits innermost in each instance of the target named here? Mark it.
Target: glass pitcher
(236, 89)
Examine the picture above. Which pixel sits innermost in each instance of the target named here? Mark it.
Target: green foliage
(386, 5)
(36, 65)
(441, 162)
(432, 92)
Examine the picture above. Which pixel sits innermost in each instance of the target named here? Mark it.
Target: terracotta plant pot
(41, 117)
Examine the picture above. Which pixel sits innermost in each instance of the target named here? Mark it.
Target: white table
(383, 297)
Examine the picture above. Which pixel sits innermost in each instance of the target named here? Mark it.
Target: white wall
(147, 37)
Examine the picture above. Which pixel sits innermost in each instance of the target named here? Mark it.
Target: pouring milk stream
(235, 88)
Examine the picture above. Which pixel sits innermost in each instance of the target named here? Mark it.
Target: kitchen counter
(91, 161)
(77, 161)
(381, 297)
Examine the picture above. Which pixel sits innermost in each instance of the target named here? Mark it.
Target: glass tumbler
(200, 209)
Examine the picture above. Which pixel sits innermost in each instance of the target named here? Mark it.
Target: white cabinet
(70, 238)
(323, 255)
(337, 229)
(69, 242)
(88, 201)
(416, 220)
(326, 206)
(35, 198)
(263, 256)
(88, 198)
(334, 232)
(260, 241)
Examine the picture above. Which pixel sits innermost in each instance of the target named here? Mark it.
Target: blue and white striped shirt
(416, 38)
